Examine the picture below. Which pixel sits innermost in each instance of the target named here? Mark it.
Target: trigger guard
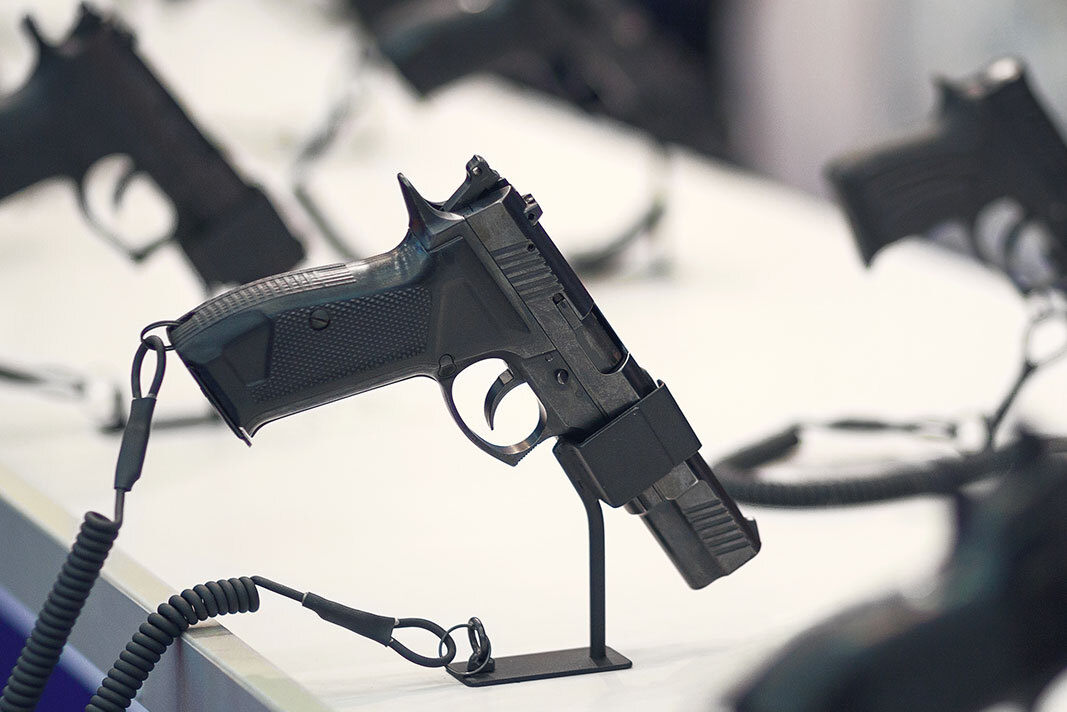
(510, 454)
(135, 255)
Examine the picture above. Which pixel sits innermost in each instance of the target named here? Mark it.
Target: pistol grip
(33, 139)
(908, 187)
(297, 340)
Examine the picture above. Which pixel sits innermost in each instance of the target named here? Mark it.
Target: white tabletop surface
(766, 316)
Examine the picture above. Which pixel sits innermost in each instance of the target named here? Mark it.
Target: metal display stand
(598, 657)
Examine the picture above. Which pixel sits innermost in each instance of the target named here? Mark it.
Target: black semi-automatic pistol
(990, 139)
(92, 96)
(991, 628)
(615, 58)
(475, 277)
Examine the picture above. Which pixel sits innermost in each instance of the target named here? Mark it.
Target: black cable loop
(412, 656)
(155, 344)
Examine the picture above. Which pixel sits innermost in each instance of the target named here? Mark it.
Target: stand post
(597, 604)
(575, 661)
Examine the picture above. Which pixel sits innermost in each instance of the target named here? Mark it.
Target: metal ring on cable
(157, 324)
(156, 344)
(481, 647)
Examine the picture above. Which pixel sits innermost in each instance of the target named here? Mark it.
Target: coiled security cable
(131, 669)
(97, 534)
(61, 609)
(237, 595)
(941, 476)
(241, 595)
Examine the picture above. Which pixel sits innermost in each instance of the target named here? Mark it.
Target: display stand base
(541, 666)
(562, 663)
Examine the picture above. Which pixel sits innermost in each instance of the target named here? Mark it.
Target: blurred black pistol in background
(991, 627)
(991, 139)
(649, 67)
(475, 277)
(91, 96)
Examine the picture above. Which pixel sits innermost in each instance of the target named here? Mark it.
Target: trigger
(505, 383)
